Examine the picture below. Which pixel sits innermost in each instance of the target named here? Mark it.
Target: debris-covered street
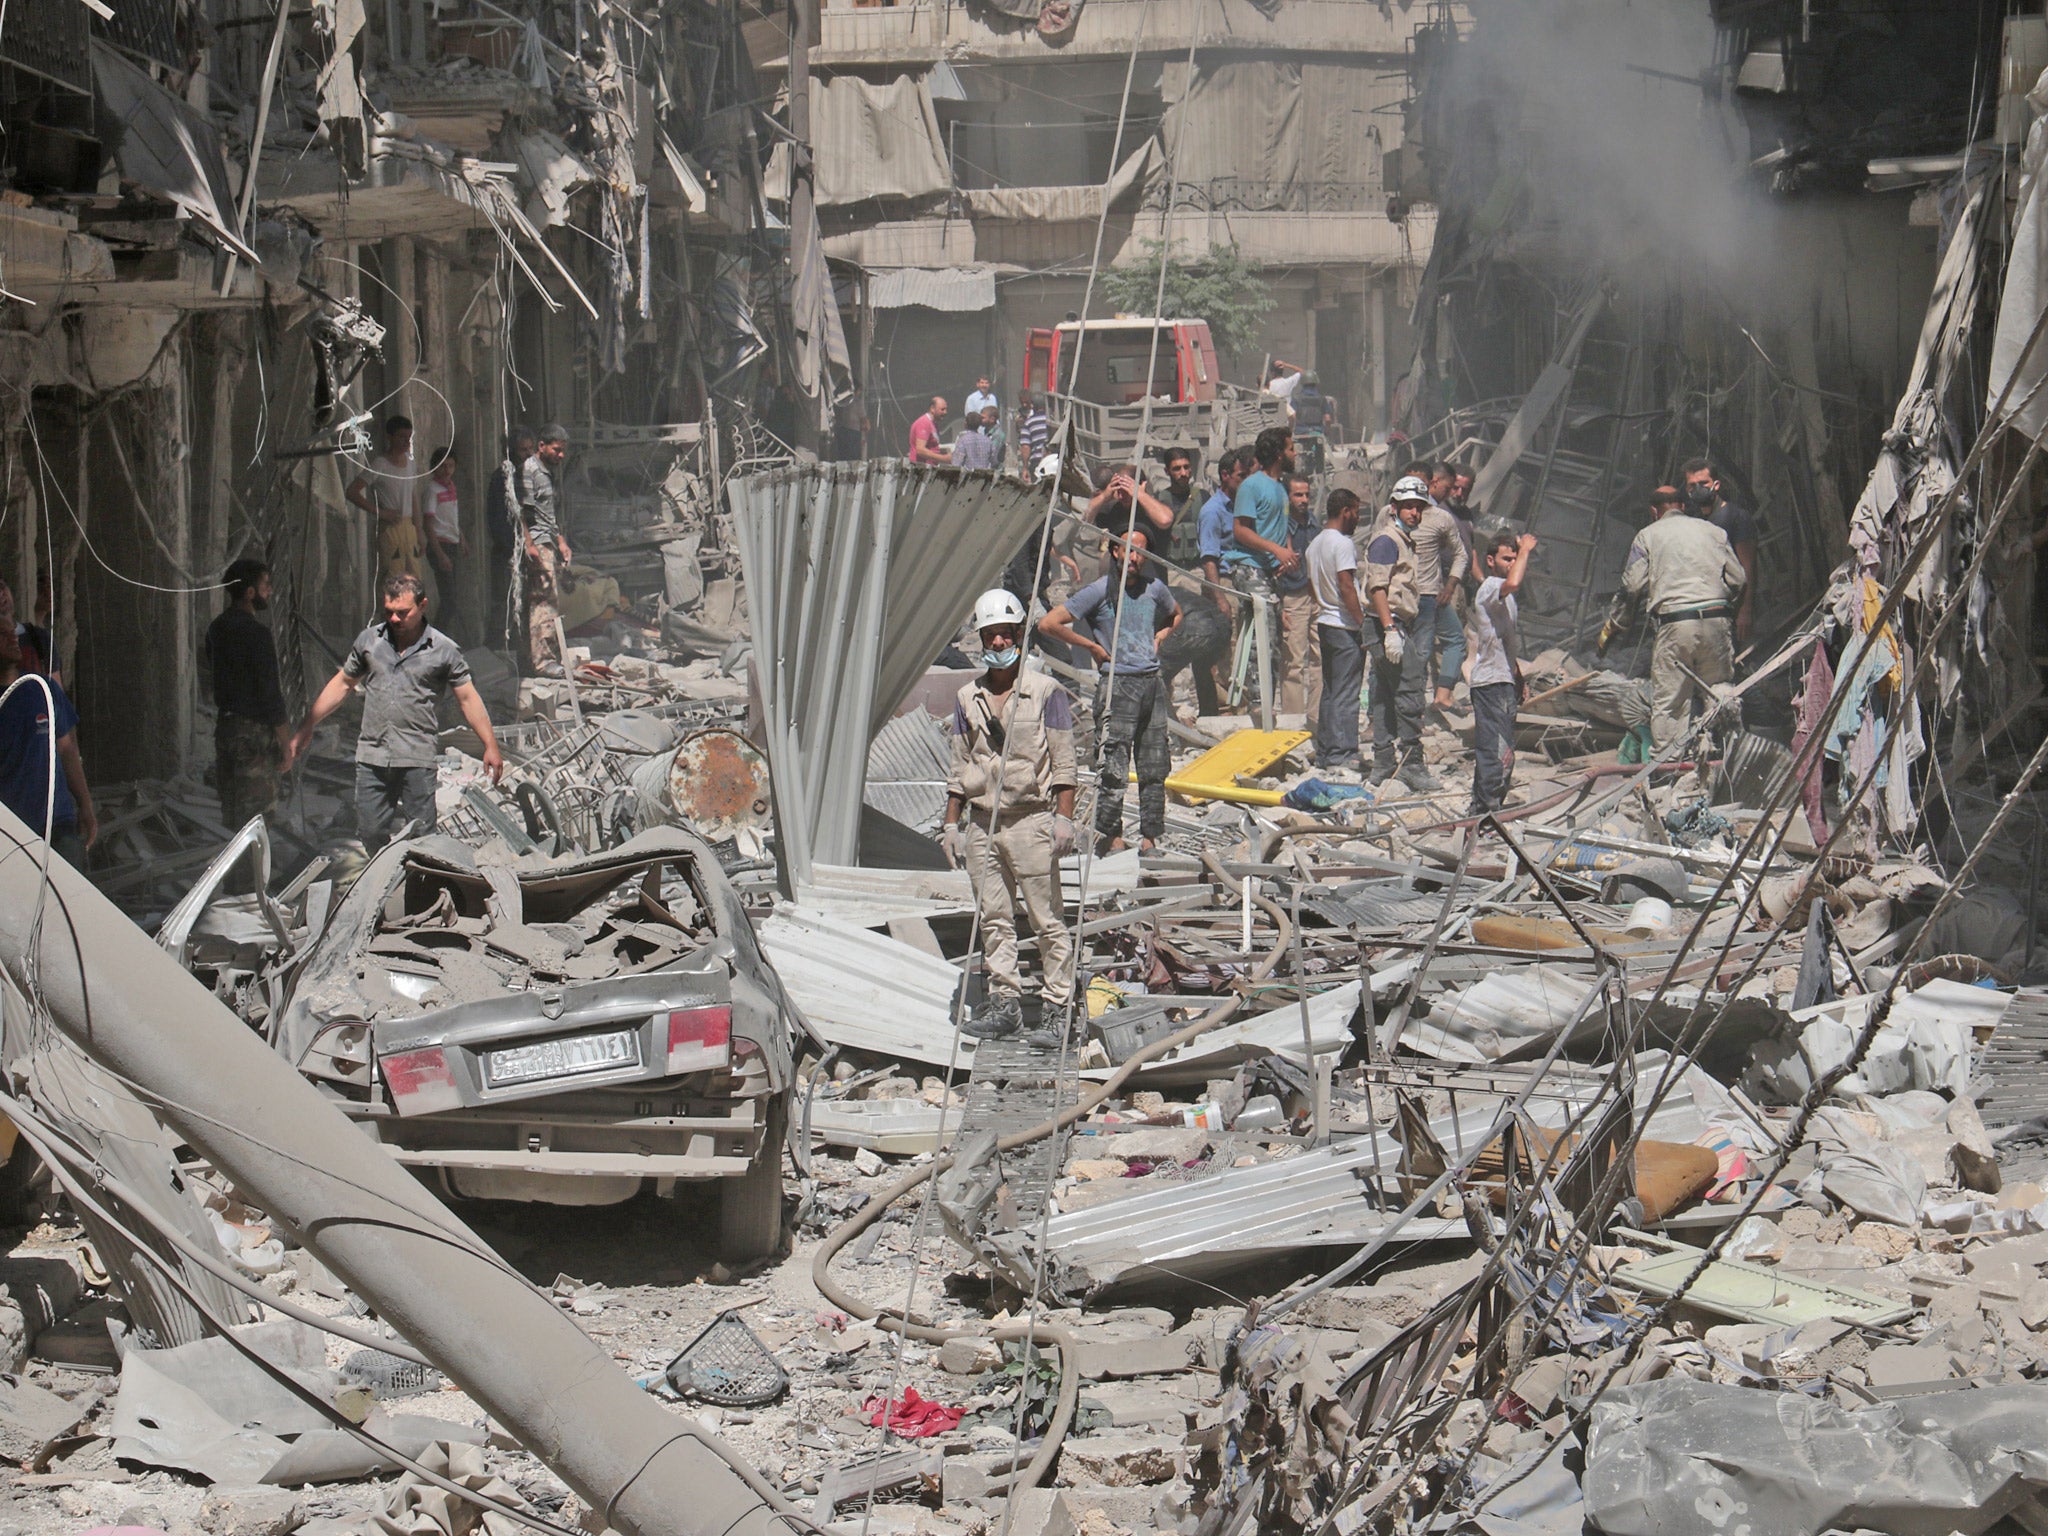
(1049, 768)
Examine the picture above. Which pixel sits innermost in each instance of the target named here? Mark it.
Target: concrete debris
(1600, 1081)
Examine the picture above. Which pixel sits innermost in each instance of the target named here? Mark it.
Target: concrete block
(1898, 1368)
(14, 1335)
(250, 1512)
(1106, 1509)
(1154, 1144)
(2034, 1304)
(29, 1415)
(1040, 1512)
(1138, 1357)
(1120, 1459)
(1888, 1242)
(1141, 1407)
(45, 1287)
(1955, 1303)
(970, 1357)
(1976, 1165)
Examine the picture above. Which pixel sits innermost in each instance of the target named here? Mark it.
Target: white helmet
(1410, 488)
(997, 607)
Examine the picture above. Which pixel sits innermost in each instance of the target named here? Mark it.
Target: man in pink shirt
(924, 435)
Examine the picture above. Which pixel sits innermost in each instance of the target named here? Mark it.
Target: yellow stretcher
(1242, 754)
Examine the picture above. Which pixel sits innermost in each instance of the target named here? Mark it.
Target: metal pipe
(130, 1007)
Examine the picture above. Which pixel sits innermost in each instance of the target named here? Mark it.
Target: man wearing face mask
(1703, 498)
(1009, 819)
(251, 730)
(1398, 641)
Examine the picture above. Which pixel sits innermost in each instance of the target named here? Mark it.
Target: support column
(174, 476)
(401, 266)
(1382, 373)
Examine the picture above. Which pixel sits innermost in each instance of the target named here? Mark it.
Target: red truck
(1124, 359)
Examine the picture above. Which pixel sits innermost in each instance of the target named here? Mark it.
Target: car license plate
(563, 1058)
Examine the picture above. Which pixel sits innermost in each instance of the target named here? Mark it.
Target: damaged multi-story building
(976, 163)
(1773, 235)
(237, 238)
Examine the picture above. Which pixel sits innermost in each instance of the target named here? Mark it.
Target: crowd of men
(1399, 610)
(982, 441)
(1360, 620)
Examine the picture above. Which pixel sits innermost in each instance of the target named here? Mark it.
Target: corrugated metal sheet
(1188, 1229)
(1374, 904)
(865, 990)
(857, 575)
(907, 767)
(2009, 1077)
(956, 289)
(1501, 1016)
(1279, 1032)
(872, 898)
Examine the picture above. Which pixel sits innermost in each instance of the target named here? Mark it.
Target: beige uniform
(1398, 575)
(1009, 766)
(1683, 574)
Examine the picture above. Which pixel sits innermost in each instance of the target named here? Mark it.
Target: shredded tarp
(164, 145)
(1057, 205)
(2014, 366)
(1918, 463)
(1676, 1457)
(1275, 135)
(1507, 1014)
(872, 140)
(824, 367)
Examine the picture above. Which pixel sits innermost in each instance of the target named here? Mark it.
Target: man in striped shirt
(1033, 430)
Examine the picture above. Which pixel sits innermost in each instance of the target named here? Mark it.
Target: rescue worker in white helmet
(1010, 818)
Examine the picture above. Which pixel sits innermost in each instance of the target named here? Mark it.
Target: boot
(999, 1017)
(1416, 775)
(1055, 1022)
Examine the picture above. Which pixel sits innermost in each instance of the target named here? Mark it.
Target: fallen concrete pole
(134, 1010)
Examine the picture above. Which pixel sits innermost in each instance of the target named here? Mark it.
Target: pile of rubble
(1636, 1158)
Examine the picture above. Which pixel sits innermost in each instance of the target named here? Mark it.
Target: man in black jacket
(251, 730)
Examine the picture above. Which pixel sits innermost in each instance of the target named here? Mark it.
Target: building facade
(975, 162)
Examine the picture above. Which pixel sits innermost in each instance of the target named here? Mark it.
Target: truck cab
(1113, 362)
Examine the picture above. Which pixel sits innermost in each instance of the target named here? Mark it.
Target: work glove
(1397, 647)
(1062, 835)
(953, 843)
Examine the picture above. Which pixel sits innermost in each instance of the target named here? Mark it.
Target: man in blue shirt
(1213, 524)
(1131, 611)
(1262, 553)
(29, 722)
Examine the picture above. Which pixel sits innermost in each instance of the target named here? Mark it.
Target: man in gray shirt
(545, 549)
(403, 666)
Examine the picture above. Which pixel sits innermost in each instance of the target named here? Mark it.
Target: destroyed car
(569, 1031)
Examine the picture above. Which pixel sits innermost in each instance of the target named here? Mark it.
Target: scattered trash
(912, 1416)
(729, 1365)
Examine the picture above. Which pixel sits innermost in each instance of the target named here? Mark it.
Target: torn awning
(164, 145)
(957, 290)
